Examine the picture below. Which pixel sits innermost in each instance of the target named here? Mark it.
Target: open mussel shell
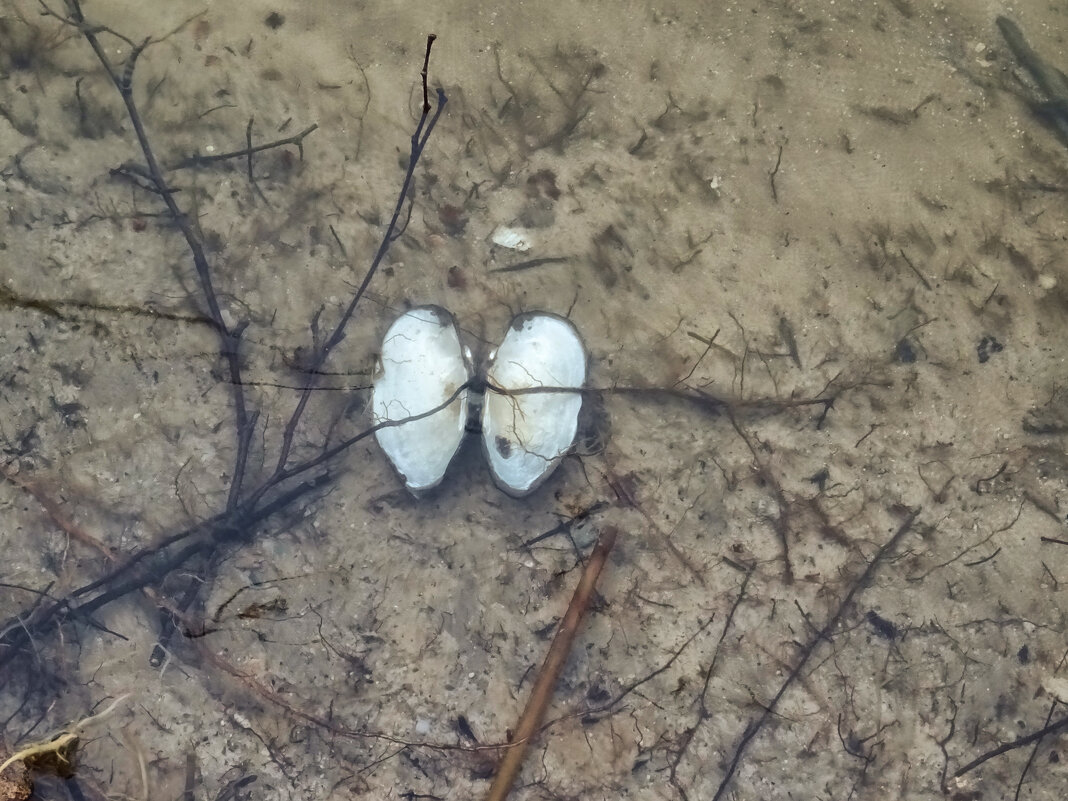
(525, 434)
(422, 365)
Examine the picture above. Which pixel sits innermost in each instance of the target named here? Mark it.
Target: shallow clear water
(815, 252)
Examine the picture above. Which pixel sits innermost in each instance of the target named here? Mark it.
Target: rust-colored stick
(542, 693)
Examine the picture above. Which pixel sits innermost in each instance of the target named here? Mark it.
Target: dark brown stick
(542, 692)
(773, 173)
(530, 263)
(248, 150)
(426, 65)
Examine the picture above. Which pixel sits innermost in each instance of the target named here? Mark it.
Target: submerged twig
(541, 693)
(229, 337)
(244, 510)
(419, 140)
(199, 160)
(1051, 81)
(61, 746)
(529, 264)
(754, 726)
(151, 563)
(1033, 737)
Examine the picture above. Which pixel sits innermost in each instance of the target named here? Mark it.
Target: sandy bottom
(843, 219)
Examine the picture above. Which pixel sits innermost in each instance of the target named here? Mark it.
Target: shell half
(422, 365)
(525, 434)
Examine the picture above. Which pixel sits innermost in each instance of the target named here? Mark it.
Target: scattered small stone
(456, 278)
(905, 353)
(988, 346)
(820, 478)
(883, 627)
(543, 183)
(453, 218)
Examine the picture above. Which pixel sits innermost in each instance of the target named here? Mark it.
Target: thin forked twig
(229, 338)
(200, 160)
(419, 141)
(754, 726)
(703, 713)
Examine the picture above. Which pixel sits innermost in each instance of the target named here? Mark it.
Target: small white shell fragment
(422, 365)
(513, 238)
(525, 435)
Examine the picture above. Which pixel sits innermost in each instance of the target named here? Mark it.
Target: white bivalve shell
(525, 434)
(421, 366)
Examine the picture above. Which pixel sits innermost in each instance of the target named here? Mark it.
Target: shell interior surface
(525, 435)
(422, 365)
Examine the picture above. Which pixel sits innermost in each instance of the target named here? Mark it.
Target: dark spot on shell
(275, 21)
(504, 447)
